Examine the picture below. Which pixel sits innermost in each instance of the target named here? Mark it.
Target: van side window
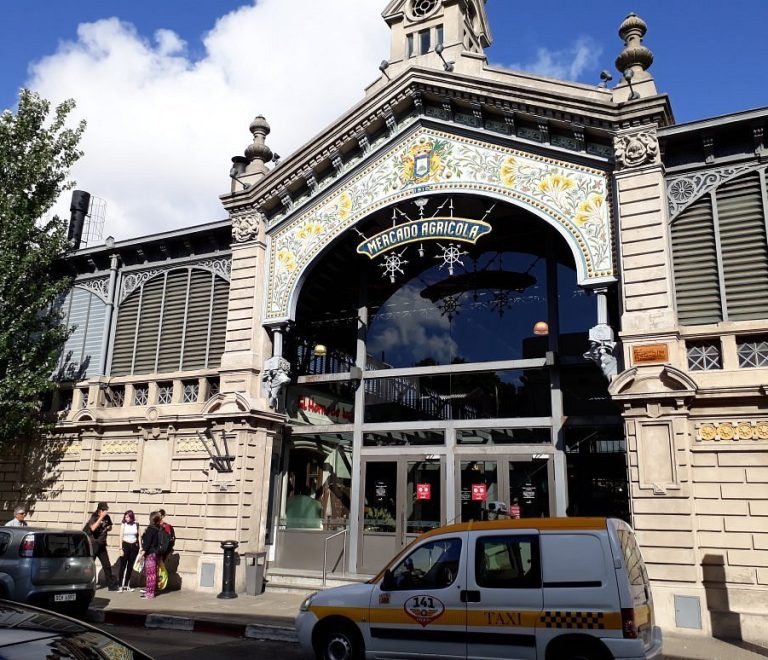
(508, 562)
(433, 565)
(5, 539)
(633, 560)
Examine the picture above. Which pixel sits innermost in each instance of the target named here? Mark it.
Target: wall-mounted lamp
(628, 74)
(109, 242)
(238, 169)
(276, 159)
(319, 350)
(541, 328)
(383, 68)
(605, 78)
(448, 66)
(221, 459)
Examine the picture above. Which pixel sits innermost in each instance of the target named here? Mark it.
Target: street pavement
(183, 624)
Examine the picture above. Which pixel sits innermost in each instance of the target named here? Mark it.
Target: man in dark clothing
(99, 525)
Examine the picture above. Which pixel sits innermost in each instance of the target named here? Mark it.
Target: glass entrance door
(494, 486)
(402, 498)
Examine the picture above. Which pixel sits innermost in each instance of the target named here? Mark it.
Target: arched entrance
(445, 387)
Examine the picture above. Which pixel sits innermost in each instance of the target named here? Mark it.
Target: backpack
(163, 542)
(168, 528)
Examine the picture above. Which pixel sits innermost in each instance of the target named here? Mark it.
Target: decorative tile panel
(732, 431)
(573, 198)
(189, 446)
(120, 446)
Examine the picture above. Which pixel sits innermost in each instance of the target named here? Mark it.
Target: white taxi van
(544, 588)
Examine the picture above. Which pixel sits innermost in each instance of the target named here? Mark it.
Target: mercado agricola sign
(413, 231)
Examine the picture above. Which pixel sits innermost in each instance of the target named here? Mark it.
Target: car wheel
(340, 642)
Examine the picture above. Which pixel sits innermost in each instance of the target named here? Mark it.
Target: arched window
(176, 321)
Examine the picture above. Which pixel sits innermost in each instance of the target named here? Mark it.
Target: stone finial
(258, 150)
(632, 30)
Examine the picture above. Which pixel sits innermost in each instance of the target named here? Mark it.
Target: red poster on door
(479, 492)
(423, 491)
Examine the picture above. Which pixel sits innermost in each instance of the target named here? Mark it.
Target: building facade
(479, 290)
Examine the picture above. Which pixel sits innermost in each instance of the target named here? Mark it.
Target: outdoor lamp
(319, 350)
(541, 328)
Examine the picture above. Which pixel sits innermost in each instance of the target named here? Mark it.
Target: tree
(37, 150)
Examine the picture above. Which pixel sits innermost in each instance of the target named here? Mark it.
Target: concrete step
(294, 580)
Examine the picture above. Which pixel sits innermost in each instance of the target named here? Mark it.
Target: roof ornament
(247, 170)
(635, 55)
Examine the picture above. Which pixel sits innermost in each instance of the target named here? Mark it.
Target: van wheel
(340, 642)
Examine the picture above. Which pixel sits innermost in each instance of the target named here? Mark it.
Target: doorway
(402, 497)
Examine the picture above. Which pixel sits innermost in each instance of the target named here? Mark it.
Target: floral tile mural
(571, 197)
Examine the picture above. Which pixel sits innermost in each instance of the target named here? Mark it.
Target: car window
(61, 545)
(5, 539)
(432, 565)
(633, 560)
(507, 562)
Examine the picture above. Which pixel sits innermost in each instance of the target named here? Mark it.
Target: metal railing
(343, 553)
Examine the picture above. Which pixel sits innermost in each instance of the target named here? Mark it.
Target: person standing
(129, 535)
(150, 543)
(19, 513)
(168, 530)
(100, 524)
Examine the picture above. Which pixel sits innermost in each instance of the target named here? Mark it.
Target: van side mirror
(388, 581)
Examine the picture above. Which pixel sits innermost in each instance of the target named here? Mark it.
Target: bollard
(228, 571)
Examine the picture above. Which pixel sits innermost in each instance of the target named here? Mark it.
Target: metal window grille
(752, 351)
(165, 393)
(422, 8)
(140, 395)
(704, 356)
(84, 400)
(115, 397)
(190, 392)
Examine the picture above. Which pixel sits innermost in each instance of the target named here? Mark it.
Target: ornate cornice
(221, 266)
(685, 189)
(728, 431)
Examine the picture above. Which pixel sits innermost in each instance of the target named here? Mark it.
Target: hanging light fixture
(319, 350)
(541, 328)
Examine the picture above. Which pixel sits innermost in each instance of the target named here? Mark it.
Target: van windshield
(61, 545)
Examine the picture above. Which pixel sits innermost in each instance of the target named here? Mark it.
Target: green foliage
(37, 151)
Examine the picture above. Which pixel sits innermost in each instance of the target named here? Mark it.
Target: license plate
(62, 598)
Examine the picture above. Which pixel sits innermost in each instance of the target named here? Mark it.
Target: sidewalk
(270, 616)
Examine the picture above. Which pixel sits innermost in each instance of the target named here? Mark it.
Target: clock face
(423, 8)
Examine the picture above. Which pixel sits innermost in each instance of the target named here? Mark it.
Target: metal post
(228, 570)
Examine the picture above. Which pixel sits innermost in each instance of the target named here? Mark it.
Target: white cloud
(162, 127)
(567, 63)
(411, 325)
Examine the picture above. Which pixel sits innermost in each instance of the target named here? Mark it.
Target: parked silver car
(49, 568)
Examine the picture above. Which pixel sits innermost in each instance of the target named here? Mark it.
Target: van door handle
(469, 596)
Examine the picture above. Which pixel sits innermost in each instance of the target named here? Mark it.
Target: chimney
(79, 209)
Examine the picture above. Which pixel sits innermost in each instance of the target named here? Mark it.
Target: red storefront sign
(423, 491)
(479, 492)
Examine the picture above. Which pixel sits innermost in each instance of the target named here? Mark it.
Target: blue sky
(170, 88)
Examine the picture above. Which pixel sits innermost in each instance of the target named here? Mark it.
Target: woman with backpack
(151, 543)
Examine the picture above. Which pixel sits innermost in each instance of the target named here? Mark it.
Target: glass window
(424, 42)
(164, 393)
(380, 494)
(439, 35)
(321, 404)
(633, 560)
(486, 309)
(585, 391)
(503, 436)
(424, 496)
(508, 562)
(410, 52)
(479, 487)
(704, 355)
(433, 565)
(5, 539)
(752, 351)
(319, 481)
(486, 395)
(140, 395)
(403, 438)
(190, 391)
(529, 488)
(214, 386)
(577, 307)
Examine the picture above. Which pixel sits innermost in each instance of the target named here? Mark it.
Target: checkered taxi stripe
(584, 620)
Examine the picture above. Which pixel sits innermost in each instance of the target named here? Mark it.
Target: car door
(503, 593)
(416, 609)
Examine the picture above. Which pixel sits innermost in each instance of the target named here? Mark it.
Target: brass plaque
(650, 353)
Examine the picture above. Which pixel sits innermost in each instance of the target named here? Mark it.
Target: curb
(268, 632)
